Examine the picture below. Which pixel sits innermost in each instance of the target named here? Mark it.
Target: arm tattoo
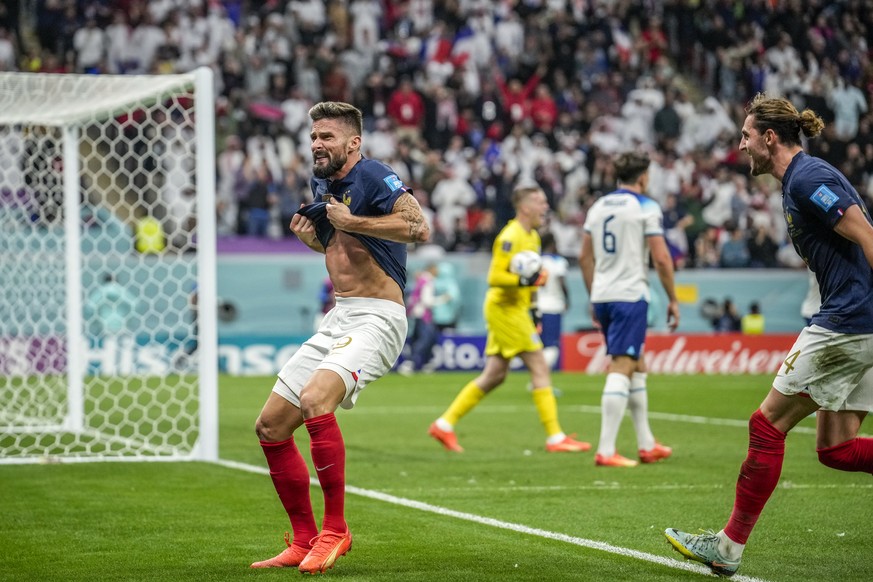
(408, 208)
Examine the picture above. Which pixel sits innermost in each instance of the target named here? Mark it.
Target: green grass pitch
(199, 521)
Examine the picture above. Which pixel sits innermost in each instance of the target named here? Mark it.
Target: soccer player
(553, 298)
(826, 369)
(366, 217)
(511, 330)
(620, 231)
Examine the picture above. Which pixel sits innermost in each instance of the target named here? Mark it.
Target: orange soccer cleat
(568, 445)
(615, 460)
(657, 453)
(447, 438)
(326, 548)
(290, 556)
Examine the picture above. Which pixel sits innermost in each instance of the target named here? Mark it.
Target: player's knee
(314, 403)
(263, 429)
(837, 457)
(497, 378)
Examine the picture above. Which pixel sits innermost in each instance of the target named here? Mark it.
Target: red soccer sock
(853, 455)
(758, 476)
(329, 457)
(291, 480)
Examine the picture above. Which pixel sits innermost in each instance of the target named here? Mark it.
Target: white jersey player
(621, 229)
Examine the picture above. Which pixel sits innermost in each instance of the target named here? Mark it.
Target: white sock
(638, 404)
(728, 547)
(443, 424)
(551, 354)
(612, 405)
(556, 438)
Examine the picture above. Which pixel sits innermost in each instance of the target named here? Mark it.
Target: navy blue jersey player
(362, 222)
(828, 368)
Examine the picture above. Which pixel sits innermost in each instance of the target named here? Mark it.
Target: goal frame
(205, 447)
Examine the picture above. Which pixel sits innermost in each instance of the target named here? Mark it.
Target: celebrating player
(827, 368)
(511, 330)
(362, 225)
(620, 230)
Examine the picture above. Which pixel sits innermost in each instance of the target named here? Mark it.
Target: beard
(334, 165)
(760, 165)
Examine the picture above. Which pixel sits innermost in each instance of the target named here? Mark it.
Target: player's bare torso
(355, 273)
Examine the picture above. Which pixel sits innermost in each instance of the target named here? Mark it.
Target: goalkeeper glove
(538, 279)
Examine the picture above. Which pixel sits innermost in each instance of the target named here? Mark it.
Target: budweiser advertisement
(685, 353)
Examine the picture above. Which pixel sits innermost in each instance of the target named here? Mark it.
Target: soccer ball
(526, 263)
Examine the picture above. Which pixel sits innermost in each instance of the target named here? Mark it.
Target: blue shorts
(624, 327)
(551, 332)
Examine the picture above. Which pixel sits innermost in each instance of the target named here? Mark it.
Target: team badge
(824, 198)
(394, 183)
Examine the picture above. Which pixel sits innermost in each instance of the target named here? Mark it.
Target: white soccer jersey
(550, 297)
(619, 224)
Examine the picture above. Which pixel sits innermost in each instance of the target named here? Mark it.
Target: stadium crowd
(467, 98)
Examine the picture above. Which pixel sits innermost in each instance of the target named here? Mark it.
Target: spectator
(259, 200)
(735, 250)
(109, 308)
(450, 197)
(667, 124)
(707, 253)
(728, 320)
(752, 323)
(326, 300)
(762, 249)
(8, 53)
(406, 110)
(848, 104)
(424, 331)
(448, 300)
(553, 300)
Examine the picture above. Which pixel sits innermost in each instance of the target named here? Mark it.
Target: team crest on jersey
(394, 183)
(506, 246)
(824, 198)
(347, 200)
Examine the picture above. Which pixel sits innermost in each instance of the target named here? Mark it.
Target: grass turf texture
(197, 521)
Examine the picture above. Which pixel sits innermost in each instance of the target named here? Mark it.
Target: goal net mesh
(99, 254)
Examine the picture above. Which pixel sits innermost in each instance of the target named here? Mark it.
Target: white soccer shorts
(834, 369)
(360, 339)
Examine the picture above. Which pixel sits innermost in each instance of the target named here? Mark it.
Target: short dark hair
(629, 166)
(348, 114)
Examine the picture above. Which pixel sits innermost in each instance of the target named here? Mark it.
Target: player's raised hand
(338, 213)
(304, 229)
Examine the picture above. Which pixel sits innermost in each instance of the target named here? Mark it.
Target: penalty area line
(515, 527)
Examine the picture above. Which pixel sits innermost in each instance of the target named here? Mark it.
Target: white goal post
(108, 336)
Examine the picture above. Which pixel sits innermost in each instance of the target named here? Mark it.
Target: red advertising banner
(685, 353)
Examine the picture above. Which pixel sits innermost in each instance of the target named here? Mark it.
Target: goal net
(107, 255)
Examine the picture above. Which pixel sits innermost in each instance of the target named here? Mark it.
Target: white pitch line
(518, 528)
(512, 408)
(787, 485)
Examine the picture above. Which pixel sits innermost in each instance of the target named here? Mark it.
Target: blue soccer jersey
(815, 196)
(370, 189)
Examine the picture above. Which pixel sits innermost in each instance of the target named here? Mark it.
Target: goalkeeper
(511, 330)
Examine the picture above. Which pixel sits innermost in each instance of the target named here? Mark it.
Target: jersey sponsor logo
(824, 198)
(394, 183)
